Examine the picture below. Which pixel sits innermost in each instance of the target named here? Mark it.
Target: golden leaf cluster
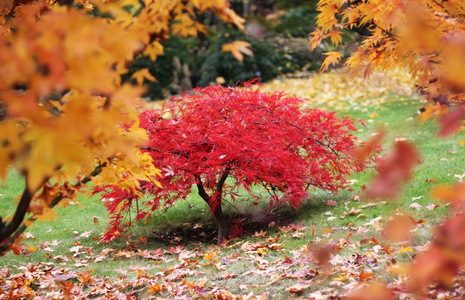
(67, 110)
(426, 37)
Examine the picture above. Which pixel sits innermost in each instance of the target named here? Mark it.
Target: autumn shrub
(220, 139)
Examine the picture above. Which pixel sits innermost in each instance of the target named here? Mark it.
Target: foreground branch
(7, 229)
(10, 238)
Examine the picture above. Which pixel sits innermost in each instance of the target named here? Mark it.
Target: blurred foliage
(280, 47)
(297, 22)
(188, 63)
(264, 63)
(170, 69)
(290, 4)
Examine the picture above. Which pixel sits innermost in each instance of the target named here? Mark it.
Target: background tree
(61, 64)
(424, 37)
(222, 138)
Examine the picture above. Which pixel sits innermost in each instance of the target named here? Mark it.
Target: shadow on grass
(243, 221)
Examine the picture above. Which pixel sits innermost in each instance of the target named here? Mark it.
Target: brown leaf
(299, 287)
(365, 275)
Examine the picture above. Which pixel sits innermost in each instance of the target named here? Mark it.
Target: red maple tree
(221, 138)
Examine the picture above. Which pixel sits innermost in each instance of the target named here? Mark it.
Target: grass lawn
(174, 255)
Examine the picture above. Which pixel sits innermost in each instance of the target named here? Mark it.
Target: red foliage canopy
(241, 133)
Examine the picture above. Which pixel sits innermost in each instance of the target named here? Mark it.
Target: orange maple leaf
(153, 50)
(237, 49)
(210, 256)
(332, 58)
(142, 74)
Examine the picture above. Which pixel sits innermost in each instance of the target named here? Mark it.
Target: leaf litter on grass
(338, 253)
(339, 90)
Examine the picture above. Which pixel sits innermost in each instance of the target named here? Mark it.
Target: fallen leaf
(415, 206)
(299, 287)
(365, 275)
(405, 249)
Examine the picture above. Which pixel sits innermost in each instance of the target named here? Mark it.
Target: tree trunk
(217, 212)
(222, 224)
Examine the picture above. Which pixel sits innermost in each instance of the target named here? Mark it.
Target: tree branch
(11, 13)
(201, 189)
(219, 185)
(7, 229)
(149, 148)
(20, 229)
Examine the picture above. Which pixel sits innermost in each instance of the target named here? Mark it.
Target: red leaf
(452, 121)
(395, 170)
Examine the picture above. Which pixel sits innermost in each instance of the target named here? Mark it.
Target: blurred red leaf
(322, 253)
(372, 291)
(452, 121)
(444, 259)
(454, 194)
(394, 170)
(398, 227)
(366, 149)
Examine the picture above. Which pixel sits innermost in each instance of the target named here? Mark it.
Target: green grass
(441, 159)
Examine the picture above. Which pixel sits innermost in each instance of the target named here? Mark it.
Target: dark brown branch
(149, 148)
(219, 185)
(171, 151)
(68, 3)
(387, 32)
(7, 229)
(11, 239)
(201, 189)
(323, 145)
(11, 13)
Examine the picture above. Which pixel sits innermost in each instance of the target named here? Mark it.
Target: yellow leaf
(237, 49)
(155, 289)
(209, 256)
(47, 214)
(332, 58)
(32, 248)
(220, 80)
(341, 278)
(261, 251)
(153, 50)
(336, 37)
(184, 26)
(398, 269)
(142, 74)
(462, 143)
(405, 249)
